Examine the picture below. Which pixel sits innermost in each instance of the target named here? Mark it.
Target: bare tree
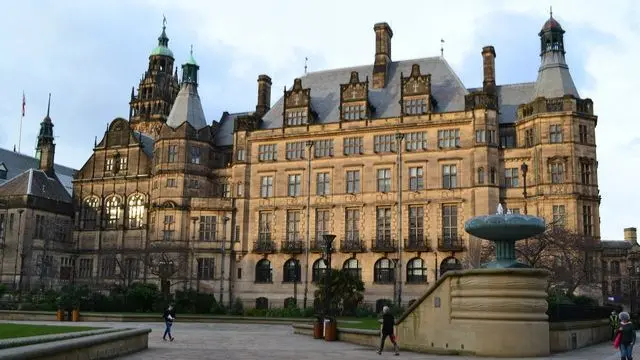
(479, 251)
(164, 266)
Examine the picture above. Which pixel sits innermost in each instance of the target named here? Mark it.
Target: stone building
(620, 264)
(35, 216)
(391, 157)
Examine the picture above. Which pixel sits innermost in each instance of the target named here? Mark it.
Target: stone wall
(565, 336)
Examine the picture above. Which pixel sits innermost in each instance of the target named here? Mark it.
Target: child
(388, 323)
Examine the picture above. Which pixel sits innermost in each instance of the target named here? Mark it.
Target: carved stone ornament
(416, 84)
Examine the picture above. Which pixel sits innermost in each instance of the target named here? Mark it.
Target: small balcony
(264, 247)
(318, 247)
(292, 247)
(417, 244)
(382, 245)
(450, 243)
(352, 246)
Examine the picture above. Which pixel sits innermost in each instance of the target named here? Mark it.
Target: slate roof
(224, 136)
(36, 183)
(554, 79)
(509, 97)
(187, 108)
(17, 164)
(147, 143)
(446, 88)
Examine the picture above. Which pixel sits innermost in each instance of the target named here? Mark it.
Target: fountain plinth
(504, 230)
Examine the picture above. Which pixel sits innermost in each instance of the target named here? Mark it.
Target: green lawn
(10, 330)
(359, 323)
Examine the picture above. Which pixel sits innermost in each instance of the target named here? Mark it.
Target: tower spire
(45, 148)
(49, 105)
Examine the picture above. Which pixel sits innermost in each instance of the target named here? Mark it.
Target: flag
(24, 104)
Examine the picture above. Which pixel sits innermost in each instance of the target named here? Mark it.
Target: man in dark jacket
(168, 316)
(388, 323)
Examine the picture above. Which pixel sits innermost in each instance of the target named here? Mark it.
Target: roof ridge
(34, 158)
(371, 65)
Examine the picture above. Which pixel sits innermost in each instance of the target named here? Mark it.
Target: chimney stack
(630, 235)
(383, 54)
(264, 95)
(489, 70)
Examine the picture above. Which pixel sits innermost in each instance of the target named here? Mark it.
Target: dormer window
(416, 92)
(3, 171)
(297, 105)
(354, 99)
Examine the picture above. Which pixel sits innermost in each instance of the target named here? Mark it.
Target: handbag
(617, 339)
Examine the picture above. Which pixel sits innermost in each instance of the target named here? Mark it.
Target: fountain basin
(505, 227)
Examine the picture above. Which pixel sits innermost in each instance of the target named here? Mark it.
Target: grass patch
(11, 330)
(359, 323)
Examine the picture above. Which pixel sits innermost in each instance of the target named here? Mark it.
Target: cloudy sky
(89, 54)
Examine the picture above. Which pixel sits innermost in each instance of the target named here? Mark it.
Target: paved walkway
(200, 341)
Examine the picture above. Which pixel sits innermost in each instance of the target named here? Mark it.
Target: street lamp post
(328, 242)
(399, 138)
(225, 220)
(306, 248)
(524, 168)
(193, 240)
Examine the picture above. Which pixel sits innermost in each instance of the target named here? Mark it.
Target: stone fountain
(504, 229)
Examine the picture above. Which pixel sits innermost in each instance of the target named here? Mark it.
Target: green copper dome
(191, 60)
(162, 50)
(163, 43)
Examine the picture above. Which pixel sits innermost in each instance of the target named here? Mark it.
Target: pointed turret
(45, 150)
(187, 107)
(554, 79)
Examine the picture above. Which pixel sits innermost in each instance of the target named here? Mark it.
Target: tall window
(267, 152)
(131, 268)
(108, 266)
(208, 228)
(511, 177)
(112, 212)
(108, 165)
(322, 222)
(291, 270)
(122, 163)
(416, 224)
(352, 267)
(416, 178)
(40, 226)
(206, 268)
(323, 148)
(295, 150)
(557, 173)
(352, 225)
(555, 134)
(353, 181)
(449, 138)
(384, 180)
(415, 106)
(449, 176)
(264, 272)
(172, 153)
(383, 224)
(319, 269)
(296, 117)
(416, 271)
(323, 184)
(585, 172)
(195, 155)
(529, 139)
(492, 176)
(558, 216)
(85, 268)
(384, 271)
(353, 146)
(293, 225)
(295, 185)
(481, 176)
(169, 227)
(90, 212)
(264, 226)
(266, 186)
(384, 143)
(450, 222)
(354, 112)
(415, 141)
(582, 130)
(135, 209)
(587, 220)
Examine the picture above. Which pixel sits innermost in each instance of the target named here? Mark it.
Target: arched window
(416, 271)
(448, 264)
(264, 271)
(480, 176)
(291, 271)
(492, 176)
(112, 212)
(615, 268)
(135, 215)
(289, 303)
(319, 269)
(89, 214)
(352, 267)
(384, 271)
(262, 303)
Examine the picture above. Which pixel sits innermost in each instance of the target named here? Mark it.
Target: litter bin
(330, 330)
(317, 329)
(60, 315)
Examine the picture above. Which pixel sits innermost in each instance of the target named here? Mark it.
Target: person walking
(627, 336)
(613, 324)
(388, 323)
(168, 316)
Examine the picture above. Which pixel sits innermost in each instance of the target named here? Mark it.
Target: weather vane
(191, 51)
(305, 64)
(164, 21)
(442, 47)
(550, 11)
